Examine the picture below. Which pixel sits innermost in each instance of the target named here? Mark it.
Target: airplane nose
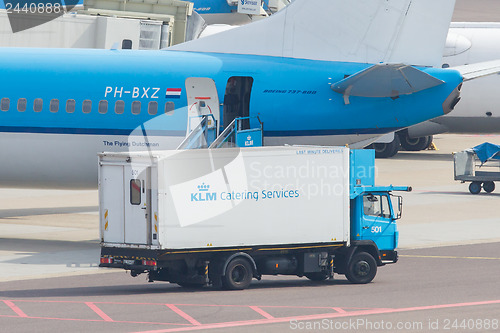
(452, 100)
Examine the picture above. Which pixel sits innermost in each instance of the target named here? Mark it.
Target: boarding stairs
(241, 132)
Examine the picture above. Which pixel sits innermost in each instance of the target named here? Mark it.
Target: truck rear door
(137, 214)
(125, 204)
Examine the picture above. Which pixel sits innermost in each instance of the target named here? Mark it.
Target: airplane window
(103, 107)
(38, 105)
(21, 104)
(87, 106)
(54, 105)
(119, 107)
(5, 104)
(169, 108)
(70, 105)
(153, 108)
(136, 107)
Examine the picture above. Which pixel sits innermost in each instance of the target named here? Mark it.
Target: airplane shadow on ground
(160, 288)
(422, 156)
(13, 213)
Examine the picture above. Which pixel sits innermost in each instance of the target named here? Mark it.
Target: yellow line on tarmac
(447, 257)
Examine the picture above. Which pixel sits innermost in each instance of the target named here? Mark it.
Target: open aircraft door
(202, 100)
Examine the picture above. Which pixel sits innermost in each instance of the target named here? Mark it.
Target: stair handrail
(224, 135)
(194, 132)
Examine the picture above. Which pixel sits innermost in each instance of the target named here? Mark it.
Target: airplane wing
(375, 31)
(385, 80)
(480, 69)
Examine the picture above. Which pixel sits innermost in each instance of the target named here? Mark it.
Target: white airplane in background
(479, 109)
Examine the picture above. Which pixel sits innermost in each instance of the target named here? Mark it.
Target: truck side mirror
(399, 212)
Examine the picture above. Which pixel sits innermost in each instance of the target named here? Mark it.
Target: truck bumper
(129, 259)
(389, 256)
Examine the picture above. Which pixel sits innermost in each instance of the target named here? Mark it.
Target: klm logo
(203, 194)
(249, 141)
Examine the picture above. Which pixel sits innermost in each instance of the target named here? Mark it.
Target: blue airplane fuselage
(292, 97)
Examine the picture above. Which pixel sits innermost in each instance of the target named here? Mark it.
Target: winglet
(385, 80)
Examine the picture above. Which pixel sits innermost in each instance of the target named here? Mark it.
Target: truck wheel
(489, 186)
(361, 269)
(316, 276)
(475, 187)
(238, 274)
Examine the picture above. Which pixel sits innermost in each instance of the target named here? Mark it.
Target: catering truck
(222, 217)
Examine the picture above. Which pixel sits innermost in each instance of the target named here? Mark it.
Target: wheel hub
(362, 268)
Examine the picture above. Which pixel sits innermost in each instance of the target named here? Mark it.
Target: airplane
(477, 112)
(335, 76)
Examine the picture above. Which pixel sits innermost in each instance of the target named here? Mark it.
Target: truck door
(112, 203)
(377, 221)
(137, 219)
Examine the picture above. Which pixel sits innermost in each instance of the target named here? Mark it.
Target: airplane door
(137, 222)
(237, 99)
(202, 100)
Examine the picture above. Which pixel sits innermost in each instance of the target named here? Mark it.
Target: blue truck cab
(374, 210)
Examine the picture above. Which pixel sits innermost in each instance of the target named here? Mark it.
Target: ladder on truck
(241, 132)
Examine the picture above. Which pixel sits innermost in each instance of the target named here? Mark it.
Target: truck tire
(238, 274)
(316, 276)
(475, 187)
(362, 268)
(489, 186)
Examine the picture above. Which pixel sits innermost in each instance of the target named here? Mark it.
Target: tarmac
(445, 280)
(47, 233)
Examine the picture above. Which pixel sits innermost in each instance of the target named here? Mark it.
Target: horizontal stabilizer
(480, 69)
(385, 81)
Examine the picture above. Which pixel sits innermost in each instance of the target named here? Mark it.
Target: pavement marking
(183, 314)
(99, 312)
(447, 257)
(340, 310)
(261, 312)
(320, 316)
(195, 325)
(14, 308)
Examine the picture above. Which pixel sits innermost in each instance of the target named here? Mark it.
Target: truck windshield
(376, 205)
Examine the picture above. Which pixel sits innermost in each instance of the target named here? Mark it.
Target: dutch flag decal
(173, 93)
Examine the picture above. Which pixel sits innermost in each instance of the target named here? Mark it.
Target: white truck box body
(216, 198)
